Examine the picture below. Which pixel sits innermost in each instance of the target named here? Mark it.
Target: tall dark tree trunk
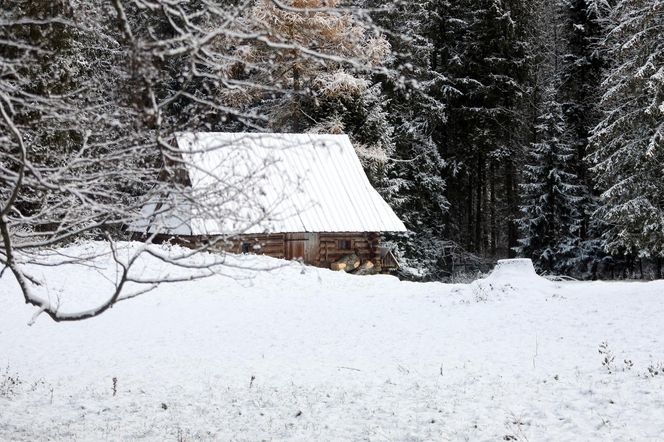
(492, 204)
(479, 208)
(512, 208)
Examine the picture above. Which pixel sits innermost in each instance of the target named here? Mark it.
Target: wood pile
(352, 264)
(367, 268)
(347, 263)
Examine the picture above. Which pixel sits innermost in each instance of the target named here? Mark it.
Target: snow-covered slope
(307, 354)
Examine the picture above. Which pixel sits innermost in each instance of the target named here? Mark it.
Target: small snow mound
(512, 275)
(507, 270)
(517, 272)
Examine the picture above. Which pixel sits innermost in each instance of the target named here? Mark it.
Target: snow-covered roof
(273, 183)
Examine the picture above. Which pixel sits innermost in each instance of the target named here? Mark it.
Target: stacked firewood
(352, 264)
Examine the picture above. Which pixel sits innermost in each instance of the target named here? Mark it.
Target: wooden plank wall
(271, 245)
(322, 249)
(364, 244)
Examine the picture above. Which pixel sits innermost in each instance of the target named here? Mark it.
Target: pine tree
(421, 34)
(629, 141)
(582, 65)
(488, 127)
(550, 222)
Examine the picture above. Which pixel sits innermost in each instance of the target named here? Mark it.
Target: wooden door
(312, 249)
(303, 246)
(295, 246)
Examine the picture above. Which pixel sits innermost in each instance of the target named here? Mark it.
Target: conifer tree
(488, 125)
(550, 222)
(421, 34)
(582, 65)
(629, 141)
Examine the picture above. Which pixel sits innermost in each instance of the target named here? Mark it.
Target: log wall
(271, 245)
(318, 249)
(334, 246)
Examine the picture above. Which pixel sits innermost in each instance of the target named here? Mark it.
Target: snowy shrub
(607, 357)
(608, 360)
(9, 383)
(656, 369)
(481, 292)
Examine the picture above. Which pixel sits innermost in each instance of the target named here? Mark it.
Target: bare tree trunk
(478, 202)
(512, 208)
(470, 206)
(493, 221)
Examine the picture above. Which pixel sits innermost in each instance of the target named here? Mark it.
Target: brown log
(368, 268)
(347, 263)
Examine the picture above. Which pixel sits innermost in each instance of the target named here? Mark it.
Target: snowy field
(307, 354)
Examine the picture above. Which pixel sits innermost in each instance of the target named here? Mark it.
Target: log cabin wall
(270, 245)
(273, 245)
(334, 246)
(318, 249)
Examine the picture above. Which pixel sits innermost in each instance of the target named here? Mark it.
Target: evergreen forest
(494, 128)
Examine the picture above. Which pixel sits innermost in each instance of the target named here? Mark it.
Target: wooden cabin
(289, 196)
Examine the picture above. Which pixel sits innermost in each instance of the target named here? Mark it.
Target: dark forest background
(495, 128)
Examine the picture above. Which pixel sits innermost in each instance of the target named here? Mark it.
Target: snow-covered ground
(307, 354)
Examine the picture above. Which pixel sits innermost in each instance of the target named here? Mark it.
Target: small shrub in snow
(655, 370)
(481, 292)
(607, 357)
(9, 384)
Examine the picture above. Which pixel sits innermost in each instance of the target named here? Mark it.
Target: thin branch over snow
(88, 114)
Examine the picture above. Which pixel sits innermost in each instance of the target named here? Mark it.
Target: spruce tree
(629, 141)
(550, 222)
(418, 87)
(488, 124)
(581, 72)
